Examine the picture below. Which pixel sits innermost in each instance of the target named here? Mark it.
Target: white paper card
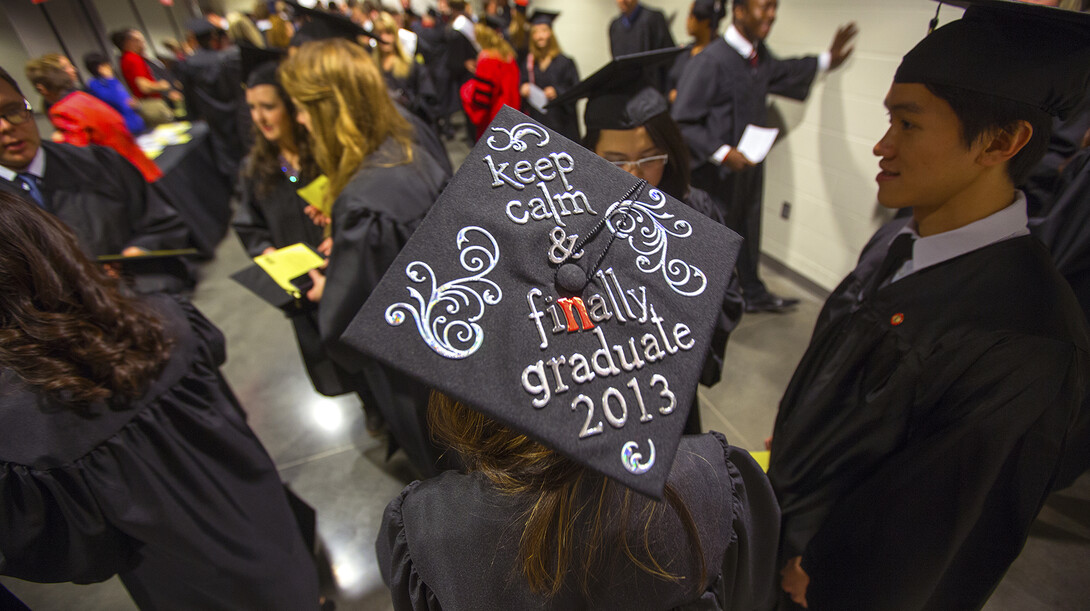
(537, 98)
(756, 142)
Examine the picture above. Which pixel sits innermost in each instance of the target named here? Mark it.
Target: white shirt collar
(36, 167)
(735, 39)
(1010, 222)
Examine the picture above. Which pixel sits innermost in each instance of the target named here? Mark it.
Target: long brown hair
(351, 113)
(491, 40)
(65, 327)
(549, 52)
(565, 525)
(263, 167)
(385, 24)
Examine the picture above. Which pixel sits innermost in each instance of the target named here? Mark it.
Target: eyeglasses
(15, 115)
(655, 162)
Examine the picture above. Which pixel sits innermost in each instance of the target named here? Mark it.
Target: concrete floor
(324, 453)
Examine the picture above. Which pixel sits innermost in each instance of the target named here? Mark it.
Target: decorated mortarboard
(259, 65)
(539, 17)
(1027, 53)
(560, 296)
(323, 25)
(620, 93)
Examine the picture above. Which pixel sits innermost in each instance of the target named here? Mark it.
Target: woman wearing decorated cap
(547, 73)
(562, 309)
(381, 183)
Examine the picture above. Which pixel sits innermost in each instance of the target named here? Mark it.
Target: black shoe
(770, 303)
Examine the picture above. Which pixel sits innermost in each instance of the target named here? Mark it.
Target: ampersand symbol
(562, 246)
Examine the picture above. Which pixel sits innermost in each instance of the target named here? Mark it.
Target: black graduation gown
(276, 219)
(373, 218)
(457, 49)
(1065, 231)
(733, 304)
(173, 492)
(649, 31)
(673, 77)
(107, 203)
(415, 92)
(452, 542)
(1043, 181)
(560, 75)
(211, 80)
(923, 427)
(718, 95)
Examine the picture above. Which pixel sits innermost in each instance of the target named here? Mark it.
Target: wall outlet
(785, 211)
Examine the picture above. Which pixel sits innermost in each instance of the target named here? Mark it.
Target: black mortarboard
(200, 26)
(323, 25)
(1027, 53)
(543, 17)
(621, 94)
(495, 22)
(259, 65)
(709, 10)
(597, 354)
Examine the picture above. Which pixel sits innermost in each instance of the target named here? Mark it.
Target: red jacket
(495, 83)
(83, 119)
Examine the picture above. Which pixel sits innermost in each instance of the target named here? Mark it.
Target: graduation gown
(107, 203)
(561, 75)
(493, 86)
(373, 218)
(415, 92)
(922, 430)
(673, 77)
(173, 491)
(452, 542)
(1065, 231)
(647, 30)
(733, 304)
(210, 80)
(718, 95)
(83, 119)
(276, 219)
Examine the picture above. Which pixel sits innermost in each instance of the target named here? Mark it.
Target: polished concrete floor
(326, 456)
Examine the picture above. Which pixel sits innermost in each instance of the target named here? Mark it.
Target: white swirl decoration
(515, 137)
(647, 229)
(460, 303)
(631, 457)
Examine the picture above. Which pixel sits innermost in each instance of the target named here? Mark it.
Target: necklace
(290, 172)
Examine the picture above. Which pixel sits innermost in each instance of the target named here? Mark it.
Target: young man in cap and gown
(924, 426)
(724, 89)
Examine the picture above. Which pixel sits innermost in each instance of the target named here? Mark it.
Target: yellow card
(288, 263)
(314, 194)
(762, 459)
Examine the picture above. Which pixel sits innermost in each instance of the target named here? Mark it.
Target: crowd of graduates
(125, 452)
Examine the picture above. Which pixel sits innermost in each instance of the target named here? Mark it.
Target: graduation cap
(259, 65)
(1028, 53)
(200, 26)
(495, 23)
(543, 17)
(323, 25)
(560, 296)
(710, 10)
(621, 94)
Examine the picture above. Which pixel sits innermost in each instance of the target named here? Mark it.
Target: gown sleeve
(365, 243)
(250, 223)
(181, 500)
(937, 524)
(697, 95)
(407, 588)
(792, 78)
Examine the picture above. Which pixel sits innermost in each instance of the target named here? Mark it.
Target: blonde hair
(549, 52)
(385, 24)
(240, 28)
(351, 114)
(491, 40)
(49, 72)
